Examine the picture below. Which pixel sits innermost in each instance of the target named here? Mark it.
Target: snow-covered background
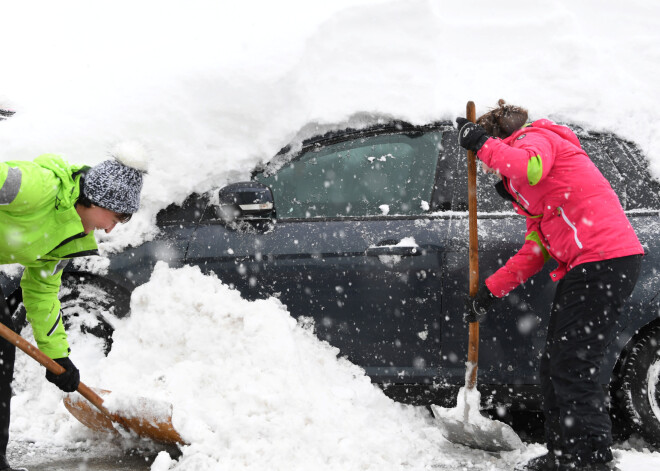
(212, 88)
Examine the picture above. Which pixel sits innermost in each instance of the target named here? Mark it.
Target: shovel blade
(145, 417)
(483, 434)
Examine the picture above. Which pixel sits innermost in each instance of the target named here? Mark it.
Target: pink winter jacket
(573, 215)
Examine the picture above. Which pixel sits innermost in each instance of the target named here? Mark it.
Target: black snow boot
(547, 462)
(4, 466)
(600, 460)
(574, 466)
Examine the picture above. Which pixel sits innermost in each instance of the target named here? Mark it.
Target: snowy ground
(215, 87)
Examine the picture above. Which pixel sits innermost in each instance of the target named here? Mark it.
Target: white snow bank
(637, 460)
(252, 389)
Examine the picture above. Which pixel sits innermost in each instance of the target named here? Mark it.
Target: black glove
(471, 136)
(67, 381)
(477, 307)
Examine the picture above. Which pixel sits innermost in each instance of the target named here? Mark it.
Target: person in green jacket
(49, 211)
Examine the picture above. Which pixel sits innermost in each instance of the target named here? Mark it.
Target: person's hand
(471, 136)
(477, 307)
(67, 381)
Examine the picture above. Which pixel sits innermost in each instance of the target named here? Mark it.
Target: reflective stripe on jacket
(570, 206)
(40, 229)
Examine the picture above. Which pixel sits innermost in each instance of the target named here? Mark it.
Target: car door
(356, 247)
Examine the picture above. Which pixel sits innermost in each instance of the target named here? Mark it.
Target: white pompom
(132, 154)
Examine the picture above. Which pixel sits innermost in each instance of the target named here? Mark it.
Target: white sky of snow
(211, 88)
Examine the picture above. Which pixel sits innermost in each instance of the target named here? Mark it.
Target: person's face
(97, 218)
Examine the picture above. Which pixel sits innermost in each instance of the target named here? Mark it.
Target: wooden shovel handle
(473, 339)
(50, 364)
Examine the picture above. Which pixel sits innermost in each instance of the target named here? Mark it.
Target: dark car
(365, 231)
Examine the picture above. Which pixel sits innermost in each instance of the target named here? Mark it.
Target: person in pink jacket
(574, 217)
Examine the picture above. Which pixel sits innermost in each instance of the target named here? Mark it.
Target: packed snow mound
(254, 389)
(251, 388)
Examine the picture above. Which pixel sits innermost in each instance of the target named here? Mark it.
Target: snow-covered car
(364, 234)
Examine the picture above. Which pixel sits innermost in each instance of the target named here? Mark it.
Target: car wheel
(641, 386)
(90, 306)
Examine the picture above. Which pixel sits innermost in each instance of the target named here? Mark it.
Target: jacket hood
(65, 173)
(562, 131)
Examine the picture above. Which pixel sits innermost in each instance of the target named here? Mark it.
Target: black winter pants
(587, 303)
(7, 355)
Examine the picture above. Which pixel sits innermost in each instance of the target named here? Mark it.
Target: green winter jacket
(40, 229)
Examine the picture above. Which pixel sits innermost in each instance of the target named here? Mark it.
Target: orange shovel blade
(145, 417)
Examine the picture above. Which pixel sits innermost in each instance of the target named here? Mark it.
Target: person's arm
(41, 285)
(528, 261)
(530, 160)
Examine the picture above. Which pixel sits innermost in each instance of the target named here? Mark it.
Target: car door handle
(391, 247)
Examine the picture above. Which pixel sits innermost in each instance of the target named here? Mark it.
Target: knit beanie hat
(114, 184)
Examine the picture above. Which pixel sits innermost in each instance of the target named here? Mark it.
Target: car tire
(90, 305)
(640, 386)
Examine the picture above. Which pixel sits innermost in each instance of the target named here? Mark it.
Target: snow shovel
(464, 424)
(145, 417)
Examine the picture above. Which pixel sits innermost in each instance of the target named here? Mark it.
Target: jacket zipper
(570, 224)
(57, 321)
(517, 193)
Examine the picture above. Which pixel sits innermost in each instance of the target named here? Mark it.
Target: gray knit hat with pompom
(114, 186)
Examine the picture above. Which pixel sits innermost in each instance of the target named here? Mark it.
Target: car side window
(367, 176)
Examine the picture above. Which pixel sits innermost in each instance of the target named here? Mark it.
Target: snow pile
(252, 389)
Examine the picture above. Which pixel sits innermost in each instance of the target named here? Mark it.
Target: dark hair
(83, 200)
(504, 120)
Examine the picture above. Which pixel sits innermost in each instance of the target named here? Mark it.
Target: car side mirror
(245, 201)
